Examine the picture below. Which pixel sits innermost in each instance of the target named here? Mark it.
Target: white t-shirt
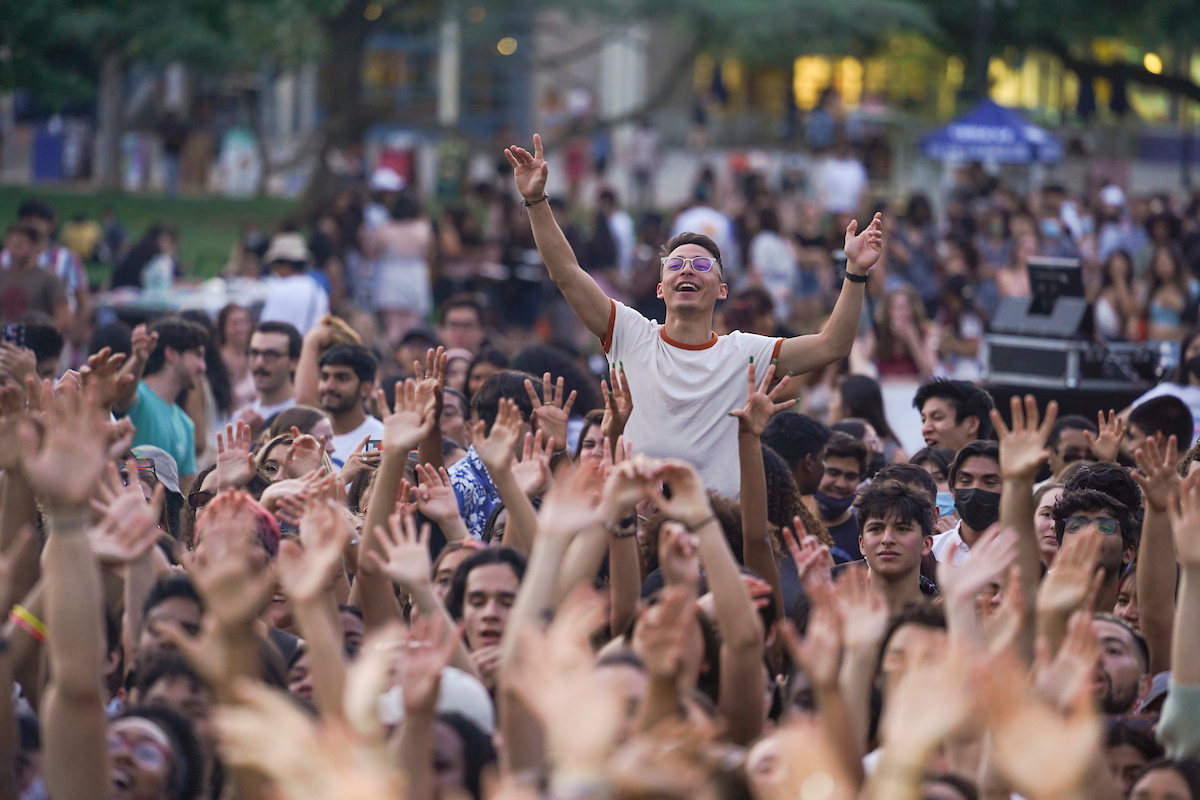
(946, 543)
(297, 299)
(840, 184)
(344, 444)
(1190, 395)
(682, 394)
(266, 412)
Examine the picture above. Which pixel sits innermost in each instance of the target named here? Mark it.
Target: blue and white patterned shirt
(477, 495)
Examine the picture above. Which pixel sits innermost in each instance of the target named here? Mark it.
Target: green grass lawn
(208, 226)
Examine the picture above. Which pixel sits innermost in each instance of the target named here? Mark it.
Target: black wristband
(853, 278)
(528, 204)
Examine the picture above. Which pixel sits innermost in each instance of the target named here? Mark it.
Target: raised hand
(359, 461)
(529, 171)
(819, 653)
(689, 501)
(1156, 472)
(661, 635)
(142, 343)
(310, 568)
(405, 549)
(409, 422)
(618, 403)
(864, 249)
(431, 376)
(551, 416)
(128, 525)
(1075, 664)
(813, 560)
(303, 455)
(1023, 447)
(1185, 522)
(1074, 577)
(678, 556)
(986, 563)
(223, 569)
(435, 494)
(555, 677)
(64, 457)
(566, 510)
(103, 373)
(235, 464)
(532, 472)
(498, 448)
(1043, 752)
(863, 610)
(1000, 623)
(429, 644)
(761, 405)
(932, 701)
(625, 486)
(1107, 444)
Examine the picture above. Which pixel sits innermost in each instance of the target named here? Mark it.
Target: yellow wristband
(25, 620)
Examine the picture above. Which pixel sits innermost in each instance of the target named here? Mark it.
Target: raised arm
(1156, 573)
(62, 464)
(757, 552)
(1179, 723)
(587, 299)
(497, 451)
(8, 721)
(133, 368)
(743, 679)
(403, 427)
(1022, 453)
(805, 353)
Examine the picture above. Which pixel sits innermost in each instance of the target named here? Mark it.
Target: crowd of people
(288, 553)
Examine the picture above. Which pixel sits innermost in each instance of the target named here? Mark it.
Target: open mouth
(489, 637)
(122, 779)
(687, 286)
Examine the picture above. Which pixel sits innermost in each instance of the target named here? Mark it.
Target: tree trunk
(110, 123)
(339, 89)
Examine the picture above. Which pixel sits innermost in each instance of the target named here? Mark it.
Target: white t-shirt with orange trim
(683, 393)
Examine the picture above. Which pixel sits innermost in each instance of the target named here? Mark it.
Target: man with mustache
(273, 355)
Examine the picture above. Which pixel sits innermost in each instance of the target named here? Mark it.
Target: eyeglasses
(143, 465)
(200, 498)
(698, 263)
(147, 755)
(1104, 525)
(265, 355)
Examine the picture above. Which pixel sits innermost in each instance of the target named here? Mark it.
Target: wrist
(695, 519)
(65, 520)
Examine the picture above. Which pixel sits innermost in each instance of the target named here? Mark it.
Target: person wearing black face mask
(845, 465)
(976, 482)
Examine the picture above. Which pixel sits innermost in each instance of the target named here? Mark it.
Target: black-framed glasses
(1104, 525)
(265, 355)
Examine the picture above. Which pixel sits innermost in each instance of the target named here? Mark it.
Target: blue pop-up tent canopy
(995, 134)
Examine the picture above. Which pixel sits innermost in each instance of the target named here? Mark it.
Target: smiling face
(689, 290)
(940, 426)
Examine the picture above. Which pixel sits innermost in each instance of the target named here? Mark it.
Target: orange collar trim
(682, 346)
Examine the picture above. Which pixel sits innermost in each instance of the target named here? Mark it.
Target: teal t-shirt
(164, 425)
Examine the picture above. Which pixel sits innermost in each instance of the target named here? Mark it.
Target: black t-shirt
(845, 536)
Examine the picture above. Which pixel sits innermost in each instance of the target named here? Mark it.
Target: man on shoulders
(683, 377)
(273, 355)
(347, 379)
(167, 359)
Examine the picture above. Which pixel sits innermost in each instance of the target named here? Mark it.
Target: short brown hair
(687, 237)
